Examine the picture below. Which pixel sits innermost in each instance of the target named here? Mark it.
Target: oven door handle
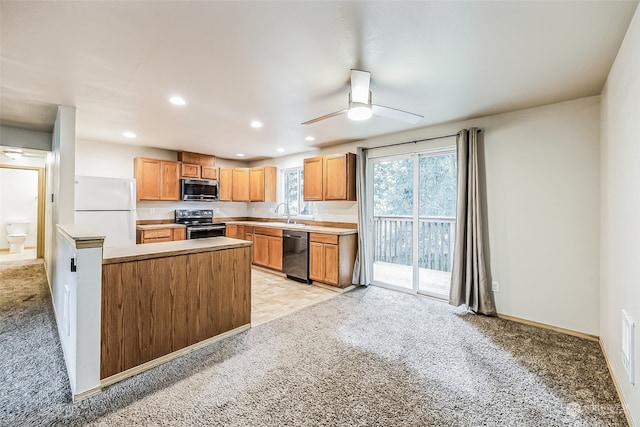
(214, 227)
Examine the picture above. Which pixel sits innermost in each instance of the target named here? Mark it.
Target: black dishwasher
(295, 255)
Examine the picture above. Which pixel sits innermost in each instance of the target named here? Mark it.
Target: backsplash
(165, 210)
(321, 211)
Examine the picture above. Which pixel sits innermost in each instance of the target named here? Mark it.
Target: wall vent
(628, 346)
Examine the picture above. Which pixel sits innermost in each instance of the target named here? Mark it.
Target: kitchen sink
(290, 225)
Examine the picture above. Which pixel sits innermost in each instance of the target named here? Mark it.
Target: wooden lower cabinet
(155, 235)
(154, 307)
(331, 258)
(180, 233)
(267, 248)
(248, 235)
(235, 231)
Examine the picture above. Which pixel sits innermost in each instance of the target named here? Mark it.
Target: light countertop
(157, 226)
(297, 227)
(112, 255)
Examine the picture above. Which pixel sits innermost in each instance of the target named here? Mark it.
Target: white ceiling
(285, 62)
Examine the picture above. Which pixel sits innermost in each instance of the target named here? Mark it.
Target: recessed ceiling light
(177, 100)
(310, 138)
(240, 155)
(280, 150)
(129, 134)
(256, 124)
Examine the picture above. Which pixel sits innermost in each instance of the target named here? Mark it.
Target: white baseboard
(623, 402)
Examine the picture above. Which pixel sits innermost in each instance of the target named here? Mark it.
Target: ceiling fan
(360, 106)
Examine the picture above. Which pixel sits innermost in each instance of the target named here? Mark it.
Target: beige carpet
(370, 357)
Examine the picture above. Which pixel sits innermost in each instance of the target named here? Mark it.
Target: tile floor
(27, 254)
(274, 296)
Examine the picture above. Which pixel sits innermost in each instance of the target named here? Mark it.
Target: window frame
(301, 203)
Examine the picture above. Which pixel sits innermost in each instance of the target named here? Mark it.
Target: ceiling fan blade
(328, 116)
(360, 82)
(392, 113)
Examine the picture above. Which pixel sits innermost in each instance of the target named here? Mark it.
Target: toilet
(17, 235)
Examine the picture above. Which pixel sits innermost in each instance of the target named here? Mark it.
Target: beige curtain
(363, 268)
(469, 282)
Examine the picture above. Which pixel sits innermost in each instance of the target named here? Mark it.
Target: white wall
(18, 201)
(23, 138)
(60, 165)
(620, 204)
(95, 158)
(542, 206)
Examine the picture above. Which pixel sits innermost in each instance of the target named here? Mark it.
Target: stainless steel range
(200, 223)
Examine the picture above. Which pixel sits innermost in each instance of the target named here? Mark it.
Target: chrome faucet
(286, 205)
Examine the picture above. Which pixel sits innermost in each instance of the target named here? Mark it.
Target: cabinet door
(190, 171)
(208, 172)
(240, 233)
(240, 184)
(316, 261)
(225, 185)
(313, 178)
(339, 177)
(157, 235)
(179, 233)
(270, 180)
(261, 249)
(232, 231)
(256, 184)
(331, 264)
(249, 236)
(170, 181)
(147, 175)
(275, 253)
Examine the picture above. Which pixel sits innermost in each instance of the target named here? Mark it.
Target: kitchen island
(162, 300)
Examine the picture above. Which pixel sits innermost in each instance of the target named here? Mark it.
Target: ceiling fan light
(358, 111)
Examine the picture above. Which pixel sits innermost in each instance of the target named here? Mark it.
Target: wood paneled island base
(156, 308)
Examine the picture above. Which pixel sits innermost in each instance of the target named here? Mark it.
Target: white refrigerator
(107, 206)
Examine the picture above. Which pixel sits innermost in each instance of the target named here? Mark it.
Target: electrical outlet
(152, 211)
(216, 210)
(495, 286)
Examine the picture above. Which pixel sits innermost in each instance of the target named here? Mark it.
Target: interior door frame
(41, 205)
(398, 153)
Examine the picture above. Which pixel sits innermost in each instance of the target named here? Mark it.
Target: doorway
(22, 197)
(414, 208)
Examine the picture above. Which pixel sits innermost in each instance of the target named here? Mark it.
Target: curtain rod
(414, 142)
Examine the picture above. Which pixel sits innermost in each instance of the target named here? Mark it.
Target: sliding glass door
(393, 221)
(414, 198)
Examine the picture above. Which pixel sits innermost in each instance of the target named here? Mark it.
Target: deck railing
(393, 240)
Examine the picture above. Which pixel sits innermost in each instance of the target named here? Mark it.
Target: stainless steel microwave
(199, 190)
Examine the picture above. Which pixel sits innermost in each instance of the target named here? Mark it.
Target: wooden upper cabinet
(240, 185)
(313, 178)
(196, 158)
(190, 171)
(339, 177)
(170, 180)
(262, 183)
(225, 185)
(196, 165)
(147, 175)
(208, 172)
(156, 179)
